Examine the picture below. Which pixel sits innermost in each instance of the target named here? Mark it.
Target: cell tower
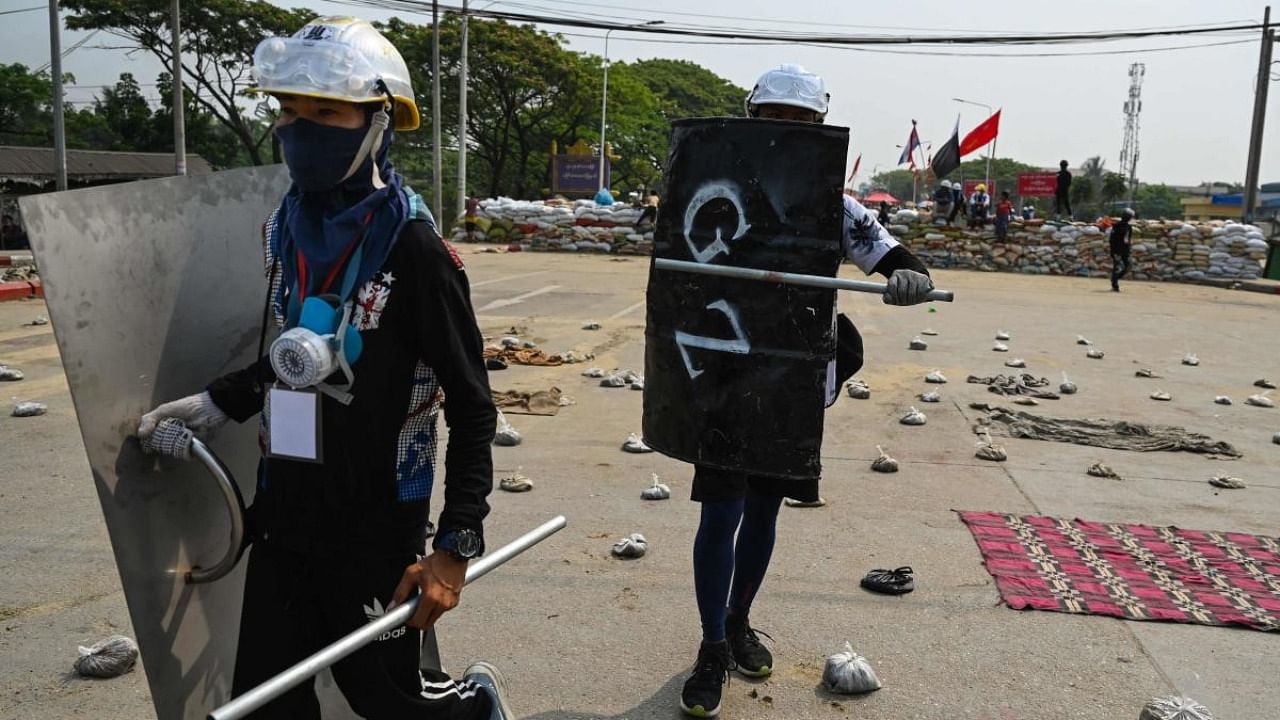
(1132, 108)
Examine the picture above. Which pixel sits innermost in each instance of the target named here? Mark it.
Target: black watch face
(466, 544)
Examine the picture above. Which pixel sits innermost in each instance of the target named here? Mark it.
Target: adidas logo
(376, 612)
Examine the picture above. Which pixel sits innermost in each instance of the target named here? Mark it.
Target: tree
(218, 37)
(1158, 201)
(127, 116)
(25, 118)
(897, 183)
(1114, 187)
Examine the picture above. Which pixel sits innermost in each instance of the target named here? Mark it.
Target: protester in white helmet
(378, 321)
(942, 202)
(739, 512)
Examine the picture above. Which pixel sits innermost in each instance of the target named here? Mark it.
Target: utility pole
(437, 195)
(55, 67)
(462, 119)
(179, 101)
(1259, 117)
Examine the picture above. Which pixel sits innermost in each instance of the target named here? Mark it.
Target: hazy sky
(1197, 103)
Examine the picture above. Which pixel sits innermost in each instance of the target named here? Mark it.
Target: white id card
(295, 425)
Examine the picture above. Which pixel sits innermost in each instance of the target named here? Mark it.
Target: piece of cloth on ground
(1024, 384)
(523, 356)
(519, 402)
(1131, 571)
(1100, 432)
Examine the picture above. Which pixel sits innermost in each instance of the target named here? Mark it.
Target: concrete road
(582, 635)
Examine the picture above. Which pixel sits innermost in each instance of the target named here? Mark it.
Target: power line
(22, 10)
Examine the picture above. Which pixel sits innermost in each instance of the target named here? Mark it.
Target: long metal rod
(59, 124)
(437, 164)
(235, 506)
(462, 117)
(604, 107)
(282, 683)
(784, 278)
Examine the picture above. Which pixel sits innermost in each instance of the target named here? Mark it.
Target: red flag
(981, 135)
(856, 164)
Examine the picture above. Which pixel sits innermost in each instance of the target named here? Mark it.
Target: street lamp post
(990, 111)
(604, 92)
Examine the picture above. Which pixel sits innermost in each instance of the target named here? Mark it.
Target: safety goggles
(314, 67)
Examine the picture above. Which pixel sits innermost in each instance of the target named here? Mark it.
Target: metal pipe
(179, 102)
(784, 278)
(282, 683)
(990, 111)
(59, 124)
(235, 506)
(462, 118)
(604, 107)
(437, 172)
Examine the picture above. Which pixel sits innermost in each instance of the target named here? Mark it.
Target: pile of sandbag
(1159, 250)
(579, 225)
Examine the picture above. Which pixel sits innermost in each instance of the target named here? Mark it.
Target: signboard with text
(1037, 184)
(577, 174)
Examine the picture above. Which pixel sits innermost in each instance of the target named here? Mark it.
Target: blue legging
(727, 571)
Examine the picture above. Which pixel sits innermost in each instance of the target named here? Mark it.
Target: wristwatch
(462, 543)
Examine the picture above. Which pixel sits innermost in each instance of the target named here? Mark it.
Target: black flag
(948, 156)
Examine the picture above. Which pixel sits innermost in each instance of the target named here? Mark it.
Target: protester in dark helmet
(1062, 191)
(338, 534)
(739, 514)
(1121, 239)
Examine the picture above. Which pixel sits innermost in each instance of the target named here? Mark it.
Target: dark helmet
(1063, 164)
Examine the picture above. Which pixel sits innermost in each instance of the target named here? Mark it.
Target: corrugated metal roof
(36, 163)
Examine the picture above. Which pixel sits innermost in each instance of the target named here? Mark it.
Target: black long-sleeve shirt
(372, 489)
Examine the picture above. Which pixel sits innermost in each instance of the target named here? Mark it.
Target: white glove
(198, 412)
(907, 287)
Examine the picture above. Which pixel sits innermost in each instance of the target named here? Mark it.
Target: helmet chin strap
(378, 125)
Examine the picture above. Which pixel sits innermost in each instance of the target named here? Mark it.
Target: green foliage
(1114, 187)
(25, 118)
(1158, 201)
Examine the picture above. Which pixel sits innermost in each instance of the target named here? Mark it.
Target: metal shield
(735, 370)
(155, 288)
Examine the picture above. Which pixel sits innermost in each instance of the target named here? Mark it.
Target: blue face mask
(318, 155)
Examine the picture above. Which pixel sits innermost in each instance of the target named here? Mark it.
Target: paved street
(582, 635)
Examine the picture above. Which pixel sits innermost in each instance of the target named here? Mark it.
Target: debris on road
(506, 435)
(1094, 354)
(1161, 395)
(1002, 335)
(1025, 384)
(623, 378)
(1067, 387)
(637, 384)
(10, 374)
(858, 389)
(1100, 432)
(592, 325)
(1190, 359)
(1082, 340)
(884, 463)
(510, 341)
(1226, 481)
(1146, 373)
(930, 397)
(539, 402)
(634, 444)
(1174, 708)
(1222, 400)
(495, 363)
(1026, 401)
(26, 408)
(594, 372)
(631, 547)
(656, 491)
(792, 502)
(918, 343)
(1260, 400)
(107, 658)
(1016, 363)
(570, 357)
(849, 673)
(988, 450)
(914, 417)
(613, 381)
(1276, 438)
(516, 482)
(929, 331)
(40, 320)
(999, 347)
(1103, 471)
(936, 377)
(1264, 383)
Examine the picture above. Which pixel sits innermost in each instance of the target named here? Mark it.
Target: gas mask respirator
(322, 343)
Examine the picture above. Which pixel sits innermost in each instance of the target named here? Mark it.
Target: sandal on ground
(898, 581)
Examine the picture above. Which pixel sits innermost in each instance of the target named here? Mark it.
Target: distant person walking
(1121, 240)
(1004, 212)
(1062, 195)
(883, 216)
(469, 219)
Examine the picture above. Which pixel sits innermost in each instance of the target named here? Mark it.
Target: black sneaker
(749, 654)
(701, 694)
(488, 677)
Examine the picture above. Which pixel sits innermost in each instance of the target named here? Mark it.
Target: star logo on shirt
(388, 278)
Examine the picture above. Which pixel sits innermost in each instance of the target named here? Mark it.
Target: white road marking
(626, 311)
(496, 304)
(482, 283)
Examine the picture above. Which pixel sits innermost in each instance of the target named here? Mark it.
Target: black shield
(736, 370)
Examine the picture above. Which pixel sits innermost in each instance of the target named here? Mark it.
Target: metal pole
(179, 102)
(1259, 118)
(604, 105)
(59, 128)
(437, 193)
(990, 111)
(282, 683)
(784, 278)
(462, 118)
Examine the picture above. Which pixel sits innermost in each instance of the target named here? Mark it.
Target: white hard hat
(946, 184)
(337, 58)
(789, 85)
